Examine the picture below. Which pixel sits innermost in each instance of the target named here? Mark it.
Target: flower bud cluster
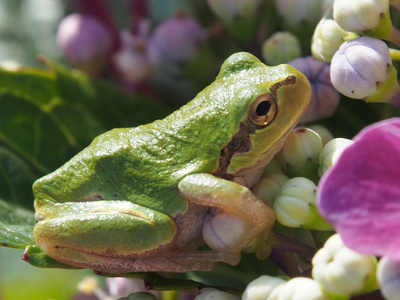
(352, 58)
(289, 184)
(87, 44)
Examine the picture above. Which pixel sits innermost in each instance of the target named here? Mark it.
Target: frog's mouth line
(241, 141)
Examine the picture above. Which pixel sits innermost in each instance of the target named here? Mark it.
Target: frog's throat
(241, 141)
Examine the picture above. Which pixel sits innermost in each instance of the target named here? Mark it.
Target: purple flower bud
(360, 194)
(132, 59)
(360, 67)
(325, 98)
(85, 42)
(389, 278)
(177, 40)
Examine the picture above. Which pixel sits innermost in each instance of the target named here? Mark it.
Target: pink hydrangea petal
(360, 195)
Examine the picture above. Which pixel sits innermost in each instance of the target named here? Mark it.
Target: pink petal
(360, 195)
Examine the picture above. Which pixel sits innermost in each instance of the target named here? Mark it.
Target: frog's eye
(263, 110)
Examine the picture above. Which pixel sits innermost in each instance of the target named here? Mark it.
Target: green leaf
(16, 178)
(16, 226)
(47, 116)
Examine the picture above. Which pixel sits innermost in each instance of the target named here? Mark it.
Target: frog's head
(266, 103)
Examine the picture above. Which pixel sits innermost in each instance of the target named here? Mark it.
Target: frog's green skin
(135, 199)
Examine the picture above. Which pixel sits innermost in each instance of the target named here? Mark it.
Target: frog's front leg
(237, 215)
(73, 231)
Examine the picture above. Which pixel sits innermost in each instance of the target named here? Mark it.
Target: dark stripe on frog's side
(241, 142)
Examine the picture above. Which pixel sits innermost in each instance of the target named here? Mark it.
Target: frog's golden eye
(263, 110)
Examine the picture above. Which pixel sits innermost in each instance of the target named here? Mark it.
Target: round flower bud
(331, 153)
(280, 48)
(300, 13)
(299, 155)
(323, 132)
(296, 205)
(300, 288)
(359, 15)
(232, 10)
(177, 40)
(239, 16)
(211, 294)
(343, 271)
(272, 167)
(269, 187)
(222, 229)
(85, 42)
(388, 275)
(327, 38)
(132, 60)
(324, 97)
(351, 67)
(262, 287)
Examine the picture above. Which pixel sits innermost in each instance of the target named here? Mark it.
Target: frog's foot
(177, 261)
(236, 216)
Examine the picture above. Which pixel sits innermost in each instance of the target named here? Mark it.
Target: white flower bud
(269, 187)
(213, 294)
(323, 132)
(296, 205)
(300, 13)
(359, 15)
(232, 10)
(331, 153)
(352, 65)
(300, 153)
(262, 287)
(327, 38)
(280, 48)
(343, 271)
(388, 275)
(300, 288)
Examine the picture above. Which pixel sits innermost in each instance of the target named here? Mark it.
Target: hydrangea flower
(360, 194)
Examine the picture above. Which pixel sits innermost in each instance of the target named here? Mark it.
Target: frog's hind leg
(175, 261)
(106, 230)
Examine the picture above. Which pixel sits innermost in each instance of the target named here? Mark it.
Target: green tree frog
(144, 199)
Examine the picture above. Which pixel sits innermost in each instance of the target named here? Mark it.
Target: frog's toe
(225, 232)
